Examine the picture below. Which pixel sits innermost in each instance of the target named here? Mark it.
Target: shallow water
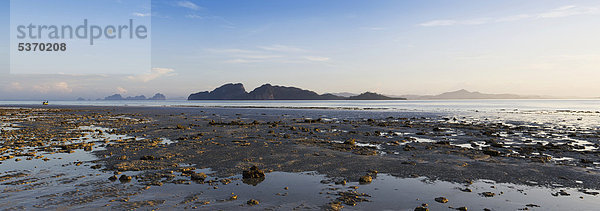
(57, 180)
(504, 105)
(305, 190)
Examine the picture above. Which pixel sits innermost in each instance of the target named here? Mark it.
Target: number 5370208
(42, 47)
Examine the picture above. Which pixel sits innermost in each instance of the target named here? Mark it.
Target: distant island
(269, 92)
(464, 94)
(157, 96)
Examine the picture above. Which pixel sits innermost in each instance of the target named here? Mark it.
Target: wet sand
(173, 158)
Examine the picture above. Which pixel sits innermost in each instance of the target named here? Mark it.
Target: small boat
(45, 103)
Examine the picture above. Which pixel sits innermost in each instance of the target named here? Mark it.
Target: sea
(390, 105)
(579, 113)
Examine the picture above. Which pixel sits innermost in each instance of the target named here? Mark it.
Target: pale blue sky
(394, 47)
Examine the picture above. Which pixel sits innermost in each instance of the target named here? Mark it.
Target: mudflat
(282, 158)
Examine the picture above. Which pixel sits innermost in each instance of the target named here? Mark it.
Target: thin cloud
(267, 54)
(138, 14)
(230, 51)
(121, 90)
(60, 87)
(514, 18)
(565, 11)
(189, 5)
(194, 16)
(260, 56)
(154, 74)
(16, 86)
(456, 22)
(242, 61)
(282, 48)
(218, 19)
(317, 58)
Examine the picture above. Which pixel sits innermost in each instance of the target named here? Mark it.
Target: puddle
(8, 126)
(57, 179)
(376, 146)
(166, 141)
(286, 191)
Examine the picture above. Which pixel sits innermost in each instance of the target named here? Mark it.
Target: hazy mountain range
(464, 94)
(461, 94)
(269, 92)
(157, 96)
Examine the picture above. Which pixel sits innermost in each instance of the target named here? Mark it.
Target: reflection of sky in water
(57, 175)
(387, 193)
(55, 162)
(8, 126)
(416, 105)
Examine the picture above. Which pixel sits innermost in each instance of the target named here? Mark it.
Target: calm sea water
(410, 105)
(581, 113)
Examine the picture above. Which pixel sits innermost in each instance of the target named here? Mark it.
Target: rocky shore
(140, 149)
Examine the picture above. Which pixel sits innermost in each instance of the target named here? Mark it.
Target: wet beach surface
(174, 158)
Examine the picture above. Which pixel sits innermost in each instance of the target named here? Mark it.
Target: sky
(537, 47)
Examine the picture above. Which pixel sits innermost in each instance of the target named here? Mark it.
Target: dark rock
(365, 179)
(408, 147)
(253, 181)
(442, 143)
(561, 193)
(466, 190)
(334, 206)
(198, 176)
(125, 178)
(254, 172)
(491, 152)
(352, 197)
(441, 200)
(437, 129)
(488, 194)
(496, 144)
(252, 202)
(589, 192)
(350, 142)
(147, 157)
(254, 176)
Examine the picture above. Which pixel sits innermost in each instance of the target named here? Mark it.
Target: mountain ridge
(236, 91)
(157, 96)
(463, 94)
